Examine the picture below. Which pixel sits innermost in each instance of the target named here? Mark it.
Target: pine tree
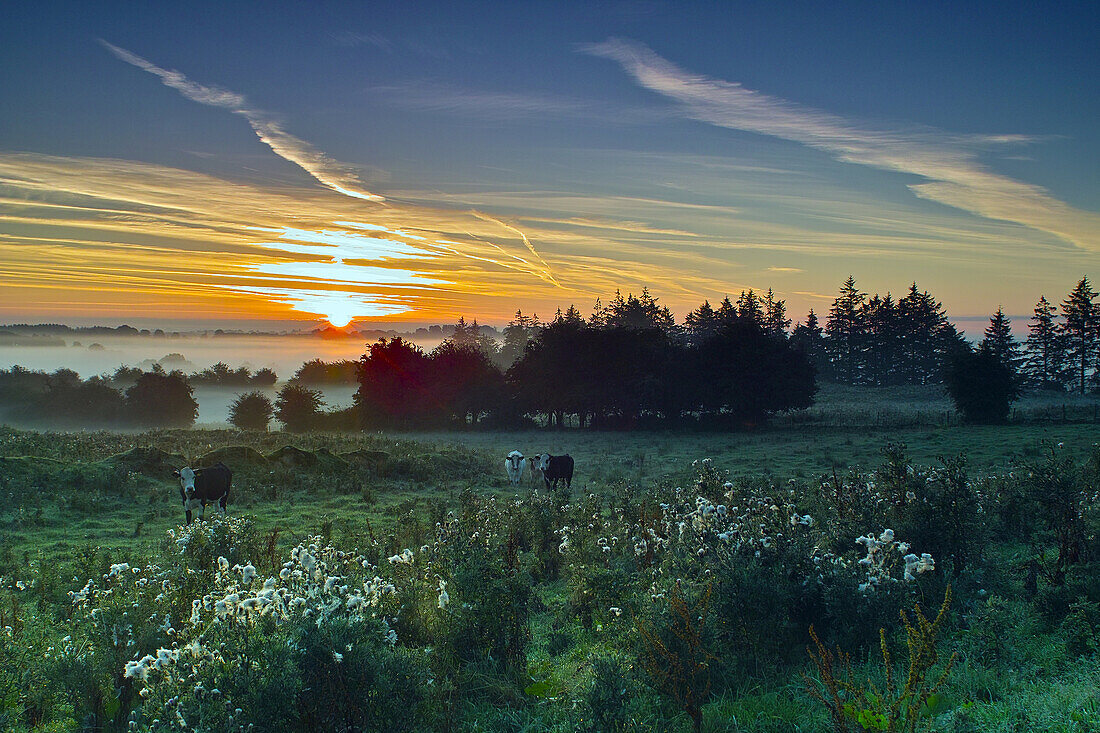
(750, 308)
(881, 317)
(925, 339)
(726, 312)
(809, 338)
(1045, 348)
(1081, 330)
(1000, 342)
(845, 333)
(776, 322)
(701, 322)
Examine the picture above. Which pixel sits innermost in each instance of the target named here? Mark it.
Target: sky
(251, 163)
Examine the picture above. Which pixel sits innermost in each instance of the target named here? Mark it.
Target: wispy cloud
(337, 176)
(497, 105)
(947, 163)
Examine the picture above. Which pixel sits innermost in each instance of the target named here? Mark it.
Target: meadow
(401, 580)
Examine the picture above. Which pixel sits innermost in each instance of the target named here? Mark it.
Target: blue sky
(484, 157)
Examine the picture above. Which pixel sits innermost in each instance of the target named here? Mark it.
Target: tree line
(627, 364)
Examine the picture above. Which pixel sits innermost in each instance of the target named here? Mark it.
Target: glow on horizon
(80, 233)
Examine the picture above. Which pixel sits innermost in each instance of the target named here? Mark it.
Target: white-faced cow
(202, 486)
(555, 468)
(534, 466)
(513, 464)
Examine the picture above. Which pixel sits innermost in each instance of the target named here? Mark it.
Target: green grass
(65, 492)
(73, 493)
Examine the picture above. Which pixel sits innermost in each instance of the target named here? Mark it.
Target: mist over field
(98, 353)
(283, 354)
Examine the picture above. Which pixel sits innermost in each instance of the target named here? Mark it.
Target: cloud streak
(948, 164)
(337, 176)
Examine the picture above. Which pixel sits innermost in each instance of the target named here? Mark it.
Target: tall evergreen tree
(926, 337)
(845, 333)
(517, 334)
(776, 322)
(1045, 348)
(702, 322)
(726, 311)
(883, 334)
(809, 338)
(1081, 330)
(1000, 342)
(750, 307)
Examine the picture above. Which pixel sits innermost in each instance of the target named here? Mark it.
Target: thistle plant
(900, 705)
(678, 663)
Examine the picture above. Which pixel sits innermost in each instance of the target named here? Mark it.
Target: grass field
(111, 505)
(111, 496)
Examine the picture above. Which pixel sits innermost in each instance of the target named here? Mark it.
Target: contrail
(337, 176)
(546, 274)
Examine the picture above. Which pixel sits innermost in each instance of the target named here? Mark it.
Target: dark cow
(555, 468)
(202, 486)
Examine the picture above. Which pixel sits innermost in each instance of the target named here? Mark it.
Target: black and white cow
(513, 465)
(202, 486)
(555, 468)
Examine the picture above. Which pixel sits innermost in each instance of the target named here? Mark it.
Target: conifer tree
(701, 322)
(750, 308)
(845, 333)
(926, 337)
(809, 338)
(1045, 348)
(1080, 328)
(1000, 342)
(880, 315)
(776, 322)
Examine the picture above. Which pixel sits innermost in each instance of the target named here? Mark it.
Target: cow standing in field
(534, 467)
(202, 486)
(555, 468)
(513, 464)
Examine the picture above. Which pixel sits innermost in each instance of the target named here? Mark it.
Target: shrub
(251, 411)
(297, 407)
(352, 679)
(982, 386)
(161, 400)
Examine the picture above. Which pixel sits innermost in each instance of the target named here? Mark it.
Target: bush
(251, 411)
(982, 386)
(353, 680)
(298, 407)
(161, 401)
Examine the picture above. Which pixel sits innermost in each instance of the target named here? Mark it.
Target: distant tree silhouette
(809, 338)
(882, 341)
(298, 407)
(1046, 355)
(517, 334)
(463, 383)
(264, 378)
(745, 373)
(638, 313)
(316, 371)
(251, 411)
(750, 308)
(1000, 342)
(159, 400)
(775, 320)
(1080, 329)
(394, 385)
(982, 386)
(845, 334)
